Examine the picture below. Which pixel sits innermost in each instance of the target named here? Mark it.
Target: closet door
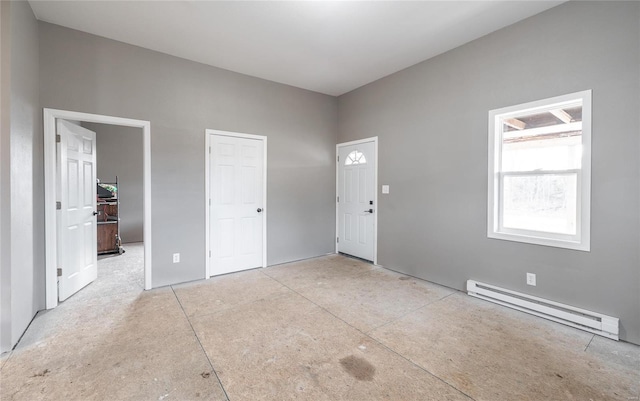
(236, 215)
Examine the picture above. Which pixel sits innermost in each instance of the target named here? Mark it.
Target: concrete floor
(330, 328)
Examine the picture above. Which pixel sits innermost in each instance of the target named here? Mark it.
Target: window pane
(545, 202)
(547, 139)
(544, 154)
(540, 172)
(355, 157)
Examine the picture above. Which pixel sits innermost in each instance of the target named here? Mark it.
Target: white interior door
(356, 196)
(236, 208)
(76, 221)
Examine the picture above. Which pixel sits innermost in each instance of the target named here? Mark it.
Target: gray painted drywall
(119, 153)
(5, 198)
(82, 72)
(431, 120)
(23, 220)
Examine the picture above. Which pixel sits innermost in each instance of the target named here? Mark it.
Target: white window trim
(582, 241)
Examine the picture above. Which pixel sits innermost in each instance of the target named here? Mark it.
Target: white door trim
(375, 193)
(50, 116)
(207, 157)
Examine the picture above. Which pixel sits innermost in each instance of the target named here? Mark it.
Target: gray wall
(22, 175)
(82, 72)
(119, 152)
(431, 120)
(5, 210)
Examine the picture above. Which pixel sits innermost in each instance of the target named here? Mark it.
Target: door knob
(259, 210)
(96, 213)
(369, 211)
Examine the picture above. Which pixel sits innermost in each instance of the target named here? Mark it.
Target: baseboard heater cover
(593, 322)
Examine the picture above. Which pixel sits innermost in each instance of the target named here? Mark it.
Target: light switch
(385, 189)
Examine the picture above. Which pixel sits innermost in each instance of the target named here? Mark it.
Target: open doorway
(120, 170)
(52, 124)
(120, 207)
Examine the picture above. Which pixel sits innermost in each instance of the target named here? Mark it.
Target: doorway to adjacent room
(70, 190)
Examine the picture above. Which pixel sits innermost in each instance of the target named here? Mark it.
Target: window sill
(584, 246)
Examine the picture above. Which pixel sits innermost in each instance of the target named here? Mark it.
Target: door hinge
(209, 202)
(338, 240)
(209, 253)
(59, 272)
(58, 205)
(338, 159)
(209, 149)
(57, 138)
(338, 199)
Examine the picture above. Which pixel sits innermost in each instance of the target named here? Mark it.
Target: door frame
(373, 139)
(50, 117)
(207, 201)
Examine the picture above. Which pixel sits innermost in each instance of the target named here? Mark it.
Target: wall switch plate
(176, 258)
(385, 189)
(531, 279)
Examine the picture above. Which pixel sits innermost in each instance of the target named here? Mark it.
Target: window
(355, 157)
(540, 172)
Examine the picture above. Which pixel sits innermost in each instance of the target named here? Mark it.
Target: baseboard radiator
(593, 322)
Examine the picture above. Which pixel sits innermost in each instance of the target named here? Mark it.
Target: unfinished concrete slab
(313, 271)
(227, 291)
(373, 298)
(494, 353)
(131, 346)
(617, 353)
(287, 348)
(149, 353)
(330, 328)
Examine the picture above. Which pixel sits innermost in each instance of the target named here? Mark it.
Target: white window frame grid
(582, 240)
(352, 160)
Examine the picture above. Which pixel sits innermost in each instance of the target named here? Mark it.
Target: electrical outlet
(176, 258)
(531, 279)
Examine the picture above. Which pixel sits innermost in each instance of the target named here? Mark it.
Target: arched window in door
(355, 157)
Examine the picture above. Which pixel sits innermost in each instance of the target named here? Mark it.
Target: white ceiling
(330, 47)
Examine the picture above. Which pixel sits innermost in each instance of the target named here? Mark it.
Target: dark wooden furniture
(109, 219)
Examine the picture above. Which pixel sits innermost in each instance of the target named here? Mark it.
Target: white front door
(236, 215)
(356, 197)
(76, 221)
